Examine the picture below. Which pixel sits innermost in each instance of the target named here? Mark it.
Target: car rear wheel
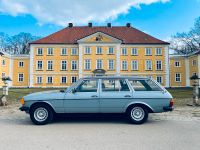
(137, 114)
(41, 114)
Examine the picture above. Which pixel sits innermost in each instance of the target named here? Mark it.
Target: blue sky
(160, 18)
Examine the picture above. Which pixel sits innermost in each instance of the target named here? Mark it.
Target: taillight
(171, 103)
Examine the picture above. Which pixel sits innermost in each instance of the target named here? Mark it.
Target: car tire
(137, 114)
(41, 114)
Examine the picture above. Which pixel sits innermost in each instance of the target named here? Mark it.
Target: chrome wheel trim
(40, 114)
(137, 113)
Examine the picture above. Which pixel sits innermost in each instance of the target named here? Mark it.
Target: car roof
(115, 77)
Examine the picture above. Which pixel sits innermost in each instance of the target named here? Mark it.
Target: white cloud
(61, 12)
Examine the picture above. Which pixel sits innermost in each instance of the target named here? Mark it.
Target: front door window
(88, 86)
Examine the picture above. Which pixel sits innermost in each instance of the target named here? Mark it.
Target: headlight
(22, 101)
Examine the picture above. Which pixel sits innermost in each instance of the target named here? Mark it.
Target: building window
(20, 77)
(39, 51)
(124, 51)
(3, 62)
(73, 79)
(74, 51)
(87, 50)
(63, 65)
(50, 51)
(99, 64)
(39, 80)
(3, 75)
(73, 65)
(148, 51)
(87, 64)
(21, 64)
(50, 80)
(111, 64)
(64, 80)
(194, 62)
(148, 65)
(134, 65)
(194, 74)
(134, 51)
(99, 50)
(63, 51)
(178, 77)
(158, 51)
(159, 79)
(49, 65)
(177, 64)
(39, 65)
(158, 65)
(111, 50)
(124, 65)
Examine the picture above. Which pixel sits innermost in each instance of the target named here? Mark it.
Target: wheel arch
(149, 108)
(42, 103)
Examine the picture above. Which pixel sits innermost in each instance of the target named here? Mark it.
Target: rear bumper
(168, 108)
(23, 108)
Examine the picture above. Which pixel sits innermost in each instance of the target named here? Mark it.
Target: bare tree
(187, 42)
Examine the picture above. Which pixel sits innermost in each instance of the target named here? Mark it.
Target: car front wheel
(137, 114)
(41, 114)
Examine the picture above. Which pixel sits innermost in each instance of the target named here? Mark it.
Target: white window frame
(62, 80)
(37, 65)
(87, 50)
(99, 49)
(157, 66)
(148, 49)
(21, 64)
(85, 64)
(61, 65)
(40, 49)
(3, 62)
(178, 63)
(110, 47)
(3, 75)
(113, 64)
(74, 49)
(72, 78)
(124, 49)
(126, 64)
(47, 79)
(161, 77)
(134, 49)
(50, 51)
(133, 65)
(38, 80)
(97, 61)
(61, 51)
(156, 52)
(20, 77)
(194, 64)
(146, 65)
(176, 77)
(75, 63)
(48, 65)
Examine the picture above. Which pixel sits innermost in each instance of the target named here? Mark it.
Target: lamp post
(3, 100)
(195, 79)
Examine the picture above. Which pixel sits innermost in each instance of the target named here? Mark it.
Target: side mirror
(74, 90)
(62, 91)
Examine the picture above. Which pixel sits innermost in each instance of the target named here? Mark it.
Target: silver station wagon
(136, 97)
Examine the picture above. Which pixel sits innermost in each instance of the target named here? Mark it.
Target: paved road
(88, 133)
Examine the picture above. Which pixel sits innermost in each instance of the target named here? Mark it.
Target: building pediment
(99, 37)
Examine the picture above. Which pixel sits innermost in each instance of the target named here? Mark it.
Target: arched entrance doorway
(99, 72)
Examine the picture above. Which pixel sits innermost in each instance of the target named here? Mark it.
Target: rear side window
(114, 85)
(144, 85)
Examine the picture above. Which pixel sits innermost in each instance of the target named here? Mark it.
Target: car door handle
(127, 96)
(94, 96)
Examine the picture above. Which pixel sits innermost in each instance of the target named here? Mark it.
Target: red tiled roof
(70, 35)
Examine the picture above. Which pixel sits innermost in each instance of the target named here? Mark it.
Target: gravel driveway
(177, 130)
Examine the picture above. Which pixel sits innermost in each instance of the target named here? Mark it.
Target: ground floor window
(39, 80)
(178, 77)
(63, 79)
(20, 77)
(74, 79)
(159, 79)
(49, 79)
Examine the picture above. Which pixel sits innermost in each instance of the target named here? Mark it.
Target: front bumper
(168, 108)
(23, 108)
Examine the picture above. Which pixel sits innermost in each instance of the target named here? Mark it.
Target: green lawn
(180, 95)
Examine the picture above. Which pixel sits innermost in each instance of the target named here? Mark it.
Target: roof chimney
(128, 25)
(70, 25)
(109, 25)
(89, 24)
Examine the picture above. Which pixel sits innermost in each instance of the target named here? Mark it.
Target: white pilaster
(118, 49)
(167, 69)
(80, 68)
(31, 67)
(187, 71)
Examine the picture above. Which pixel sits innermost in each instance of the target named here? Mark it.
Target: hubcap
(137, 113)
(40, 114)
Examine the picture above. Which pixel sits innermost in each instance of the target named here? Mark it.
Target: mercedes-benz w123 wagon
(136, 97)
